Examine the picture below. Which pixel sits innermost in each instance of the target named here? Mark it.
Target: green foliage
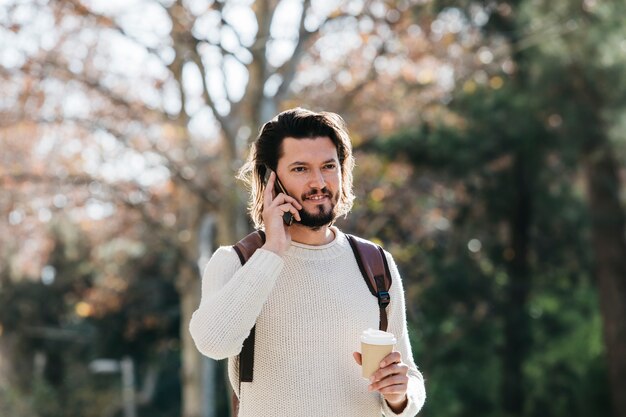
(140, 319)
(506, 154)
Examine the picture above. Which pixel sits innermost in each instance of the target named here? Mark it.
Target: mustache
(312, 193)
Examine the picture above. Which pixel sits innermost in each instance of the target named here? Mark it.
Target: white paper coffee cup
(375, 346)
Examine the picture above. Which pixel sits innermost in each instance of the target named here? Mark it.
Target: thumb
(357, 357)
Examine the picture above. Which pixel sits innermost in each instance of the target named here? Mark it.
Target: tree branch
(124, 140)
(108, 22)
(258, 71)
(288, 70)
(223, 121)
(117, 195)
(94, 84)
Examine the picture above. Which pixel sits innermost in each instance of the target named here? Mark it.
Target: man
(303, 288)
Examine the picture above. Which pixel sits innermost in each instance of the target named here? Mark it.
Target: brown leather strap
(373, 265)
(245, 248)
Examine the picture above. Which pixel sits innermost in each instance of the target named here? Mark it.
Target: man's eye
(298, 169)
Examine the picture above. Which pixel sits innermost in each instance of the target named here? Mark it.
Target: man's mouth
(318, 197)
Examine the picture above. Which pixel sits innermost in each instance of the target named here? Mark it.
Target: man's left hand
(390, 380)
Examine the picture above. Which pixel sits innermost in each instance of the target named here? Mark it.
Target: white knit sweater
(310, 307)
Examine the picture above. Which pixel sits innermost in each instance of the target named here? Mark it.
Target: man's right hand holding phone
(274, 207)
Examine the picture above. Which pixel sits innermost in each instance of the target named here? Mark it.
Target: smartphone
(279, 188)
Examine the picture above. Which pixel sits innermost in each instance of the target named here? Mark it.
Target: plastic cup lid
(377, 337)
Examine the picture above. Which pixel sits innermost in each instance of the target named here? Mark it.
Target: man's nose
(317, 179)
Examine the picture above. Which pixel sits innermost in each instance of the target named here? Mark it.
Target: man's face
(310, 172)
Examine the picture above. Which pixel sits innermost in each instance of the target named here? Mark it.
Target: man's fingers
(391, 364)
(389, 371)
(393, 357)
(268, 194)
(292, 201)
(288, 207)
(396, 381)
(281, 198)
(391, 379)
(357, 358)
(394, 389)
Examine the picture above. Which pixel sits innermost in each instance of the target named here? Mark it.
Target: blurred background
(490, 139)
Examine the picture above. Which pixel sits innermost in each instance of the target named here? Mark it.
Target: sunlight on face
(310, 171)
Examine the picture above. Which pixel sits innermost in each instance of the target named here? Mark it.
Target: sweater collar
(330, 250)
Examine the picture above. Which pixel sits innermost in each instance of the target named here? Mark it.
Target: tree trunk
(189, 289)
(210, 369)
(516, 326)
(608, 225)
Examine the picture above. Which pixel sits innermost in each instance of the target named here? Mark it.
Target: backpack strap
(375, 270)
(245, 248)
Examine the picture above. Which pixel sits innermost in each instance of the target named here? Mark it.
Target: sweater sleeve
(232, 299)
(416, 391)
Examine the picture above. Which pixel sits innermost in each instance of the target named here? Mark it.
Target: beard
(321, 216)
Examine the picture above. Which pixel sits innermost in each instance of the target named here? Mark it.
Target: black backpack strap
(245, 248)
(375, 270)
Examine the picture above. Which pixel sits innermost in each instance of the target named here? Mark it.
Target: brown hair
(297, 123)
